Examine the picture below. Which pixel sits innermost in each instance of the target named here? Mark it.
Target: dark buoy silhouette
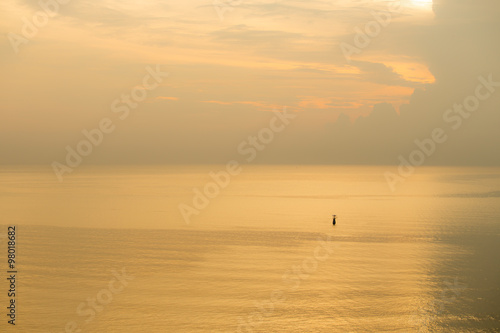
(334, 221)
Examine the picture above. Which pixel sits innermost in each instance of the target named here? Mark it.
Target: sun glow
(423, 3)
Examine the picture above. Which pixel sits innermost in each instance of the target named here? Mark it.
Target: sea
(199, 249)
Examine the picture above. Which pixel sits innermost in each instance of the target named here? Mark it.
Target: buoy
(334, 222)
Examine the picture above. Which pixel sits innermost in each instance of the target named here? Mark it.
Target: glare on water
(263, 256)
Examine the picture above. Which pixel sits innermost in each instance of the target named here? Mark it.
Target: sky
(357, 98)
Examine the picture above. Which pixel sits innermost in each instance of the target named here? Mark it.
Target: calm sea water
(107, 250)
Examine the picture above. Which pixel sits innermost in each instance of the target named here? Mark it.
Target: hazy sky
(231, 63)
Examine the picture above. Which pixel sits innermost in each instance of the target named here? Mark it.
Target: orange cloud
(167, 98)
(412, 71)
(263, 106)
